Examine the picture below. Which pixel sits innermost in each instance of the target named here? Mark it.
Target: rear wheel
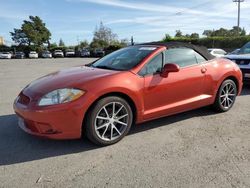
(109, 121)
(226, 96)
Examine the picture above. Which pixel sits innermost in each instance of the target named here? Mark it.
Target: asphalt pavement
(193, 149)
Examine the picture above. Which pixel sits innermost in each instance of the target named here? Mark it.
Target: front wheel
(108, 121)
(226, 96)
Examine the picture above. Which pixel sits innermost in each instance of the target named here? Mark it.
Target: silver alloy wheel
(227, 96)
(111, 121)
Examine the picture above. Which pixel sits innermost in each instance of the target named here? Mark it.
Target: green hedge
(215, 42)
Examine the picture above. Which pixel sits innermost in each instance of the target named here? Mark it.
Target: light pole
(238, 23)
(132, 41)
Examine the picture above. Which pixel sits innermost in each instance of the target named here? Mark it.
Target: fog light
(45, 128)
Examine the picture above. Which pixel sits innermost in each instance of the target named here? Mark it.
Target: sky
(145, 20)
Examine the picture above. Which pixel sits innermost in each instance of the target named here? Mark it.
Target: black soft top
(199, 49)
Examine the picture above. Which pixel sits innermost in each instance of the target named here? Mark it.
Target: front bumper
(58, 55)
(70, 55)
(57, 122)
(5, 57)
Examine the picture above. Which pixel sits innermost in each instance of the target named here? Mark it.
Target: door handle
(203, 70)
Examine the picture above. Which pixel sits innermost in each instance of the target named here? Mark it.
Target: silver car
(33, 54)
(5, 55)
(47, 54)
(58, 53)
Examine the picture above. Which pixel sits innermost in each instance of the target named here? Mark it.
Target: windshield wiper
(106, 67)
(103, 67)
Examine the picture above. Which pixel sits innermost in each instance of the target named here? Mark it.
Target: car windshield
(245, 49)
(124, 59)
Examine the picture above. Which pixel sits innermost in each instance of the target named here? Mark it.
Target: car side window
(153, 66)
(183, 57)
(199, 58)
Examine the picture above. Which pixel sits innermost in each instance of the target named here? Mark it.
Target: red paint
(154, 96)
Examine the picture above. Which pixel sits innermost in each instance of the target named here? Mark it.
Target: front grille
(23, 99)
(242, 61)
(244, 72)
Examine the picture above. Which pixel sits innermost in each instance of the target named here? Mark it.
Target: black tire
(218, 104)
(90, 120)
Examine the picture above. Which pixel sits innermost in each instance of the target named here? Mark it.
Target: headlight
(60, 96)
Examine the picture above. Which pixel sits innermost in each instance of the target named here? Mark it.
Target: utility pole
(78, 42)
(238, 23)
(132, 41)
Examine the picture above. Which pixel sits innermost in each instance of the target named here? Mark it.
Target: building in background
(1, 41)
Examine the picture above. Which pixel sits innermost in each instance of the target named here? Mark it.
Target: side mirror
(169, 68)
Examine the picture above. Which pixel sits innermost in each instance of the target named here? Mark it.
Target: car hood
(74, 77)
(240, 56)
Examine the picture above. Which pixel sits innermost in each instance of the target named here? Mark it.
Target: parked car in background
(33, 54)
(85, 53)
(12, 54)
(242, 59)
(47, 54)
(5, 55)
(99, 52)
(58, 53)
(235, 52)
(19, 55)
(217, 52)
(70, 53)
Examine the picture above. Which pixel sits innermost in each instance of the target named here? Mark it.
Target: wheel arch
(116, 94)
(235, 81)
(216, 104)
(219, 83)
(233, 78)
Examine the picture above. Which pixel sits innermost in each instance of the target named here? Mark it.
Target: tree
(167, 37)
(222, 32)
(61, 43)
(53, 45)
(235, 31)
(103, 37)
(207, 33)
(19, 37)
(178, 33)
(195, 36)
(84, 44)
(243, 32)
(32, 31)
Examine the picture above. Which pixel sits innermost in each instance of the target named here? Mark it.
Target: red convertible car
(129, 86)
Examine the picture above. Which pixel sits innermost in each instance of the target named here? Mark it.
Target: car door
(180, 91)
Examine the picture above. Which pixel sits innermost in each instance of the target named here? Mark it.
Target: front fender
(127, 84)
